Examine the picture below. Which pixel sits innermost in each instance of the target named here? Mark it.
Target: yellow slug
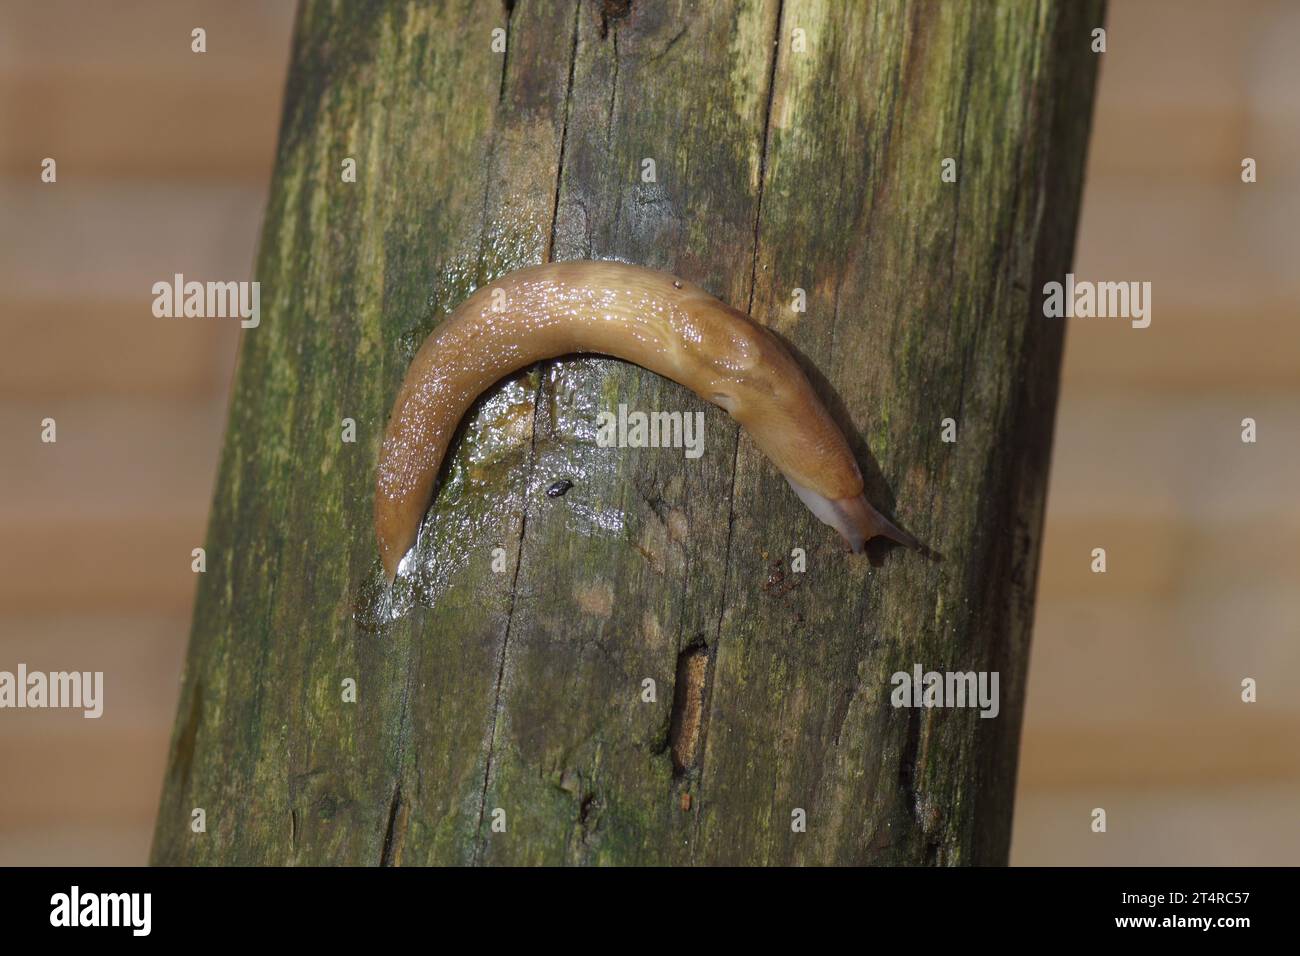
(659, 322)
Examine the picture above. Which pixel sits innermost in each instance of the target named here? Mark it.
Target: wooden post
(636, 671)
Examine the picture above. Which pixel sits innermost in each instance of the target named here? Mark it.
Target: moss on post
(758, 150)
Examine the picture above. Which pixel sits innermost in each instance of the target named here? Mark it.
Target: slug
(662, 323)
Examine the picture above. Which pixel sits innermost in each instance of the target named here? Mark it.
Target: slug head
(752, 375)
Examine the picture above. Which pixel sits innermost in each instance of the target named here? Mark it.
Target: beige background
(164, 159)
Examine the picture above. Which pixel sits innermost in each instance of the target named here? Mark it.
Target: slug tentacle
(854, 518)
(667, 325)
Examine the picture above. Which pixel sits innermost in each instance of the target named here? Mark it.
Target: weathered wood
(775, 169)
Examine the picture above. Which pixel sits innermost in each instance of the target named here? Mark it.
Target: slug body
(667, 325)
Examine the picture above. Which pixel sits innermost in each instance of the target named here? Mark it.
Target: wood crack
(528, 472)
(753, 282)
(505, 56)
(394, 831)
